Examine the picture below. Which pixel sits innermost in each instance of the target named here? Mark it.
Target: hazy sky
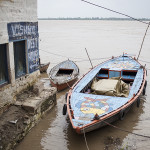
(77, 8)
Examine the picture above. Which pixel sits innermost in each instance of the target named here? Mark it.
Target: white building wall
(15, 11)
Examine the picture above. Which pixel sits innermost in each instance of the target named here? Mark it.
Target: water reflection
(55, 136)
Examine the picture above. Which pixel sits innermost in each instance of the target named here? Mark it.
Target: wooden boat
(64, 75)
(105, 93)
(43, 67)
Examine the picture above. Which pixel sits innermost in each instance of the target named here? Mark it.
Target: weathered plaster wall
(15, 11)
(8, 92)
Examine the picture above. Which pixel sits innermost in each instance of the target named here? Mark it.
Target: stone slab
(33, 104)
(38, 87)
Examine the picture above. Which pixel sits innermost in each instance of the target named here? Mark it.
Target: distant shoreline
(96, 18)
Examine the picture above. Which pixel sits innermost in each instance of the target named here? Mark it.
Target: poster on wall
(28, 31)
(22, 30)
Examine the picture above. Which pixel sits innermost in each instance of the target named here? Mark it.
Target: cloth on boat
(110, 87)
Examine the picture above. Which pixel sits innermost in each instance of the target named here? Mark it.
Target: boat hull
(101, 123)
(63, 86)
(81, 104)
(43, 68)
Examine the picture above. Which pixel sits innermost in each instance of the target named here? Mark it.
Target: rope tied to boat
(85, 140)
(68, 85)
(146, 136)
(117, 12)
(143, 40)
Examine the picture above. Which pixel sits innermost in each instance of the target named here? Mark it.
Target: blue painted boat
(105, 93)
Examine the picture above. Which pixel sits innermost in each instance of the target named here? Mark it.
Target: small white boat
(64, 75)
(43, 67)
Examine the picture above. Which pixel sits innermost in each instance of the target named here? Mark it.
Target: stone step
(43, 101)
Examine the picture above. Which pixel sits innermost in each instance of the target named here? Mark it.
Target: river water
(60, 40)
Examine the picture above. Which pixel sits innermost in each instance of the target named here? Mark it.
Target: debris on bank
(19, 118)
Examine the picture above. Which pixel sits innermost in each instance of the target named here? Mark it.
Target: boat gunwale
(44, 64)
(64, 82)
(62, 63)
(77, 68)
(44, 67)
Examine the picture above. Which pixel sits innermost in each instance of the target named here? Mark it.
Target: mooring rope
(92, 59)
(79, 59)
(59, 55)
(114, 11)
(68, 85)
(123, 15)
(143, 40)
(84, 60)
(144, 61)
(85, 140)
(146, 136)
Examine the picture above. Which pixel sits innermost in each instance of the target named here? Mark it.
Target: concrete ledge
(37, 104)
(9, 91)
(19, 119)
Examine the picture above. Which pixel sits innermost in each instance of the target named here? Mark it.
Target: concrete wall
(8, 92)
(15, 11)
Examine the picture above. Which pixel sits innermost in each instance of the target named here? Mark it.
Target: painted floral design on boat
(124, 65)
(95, 106)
